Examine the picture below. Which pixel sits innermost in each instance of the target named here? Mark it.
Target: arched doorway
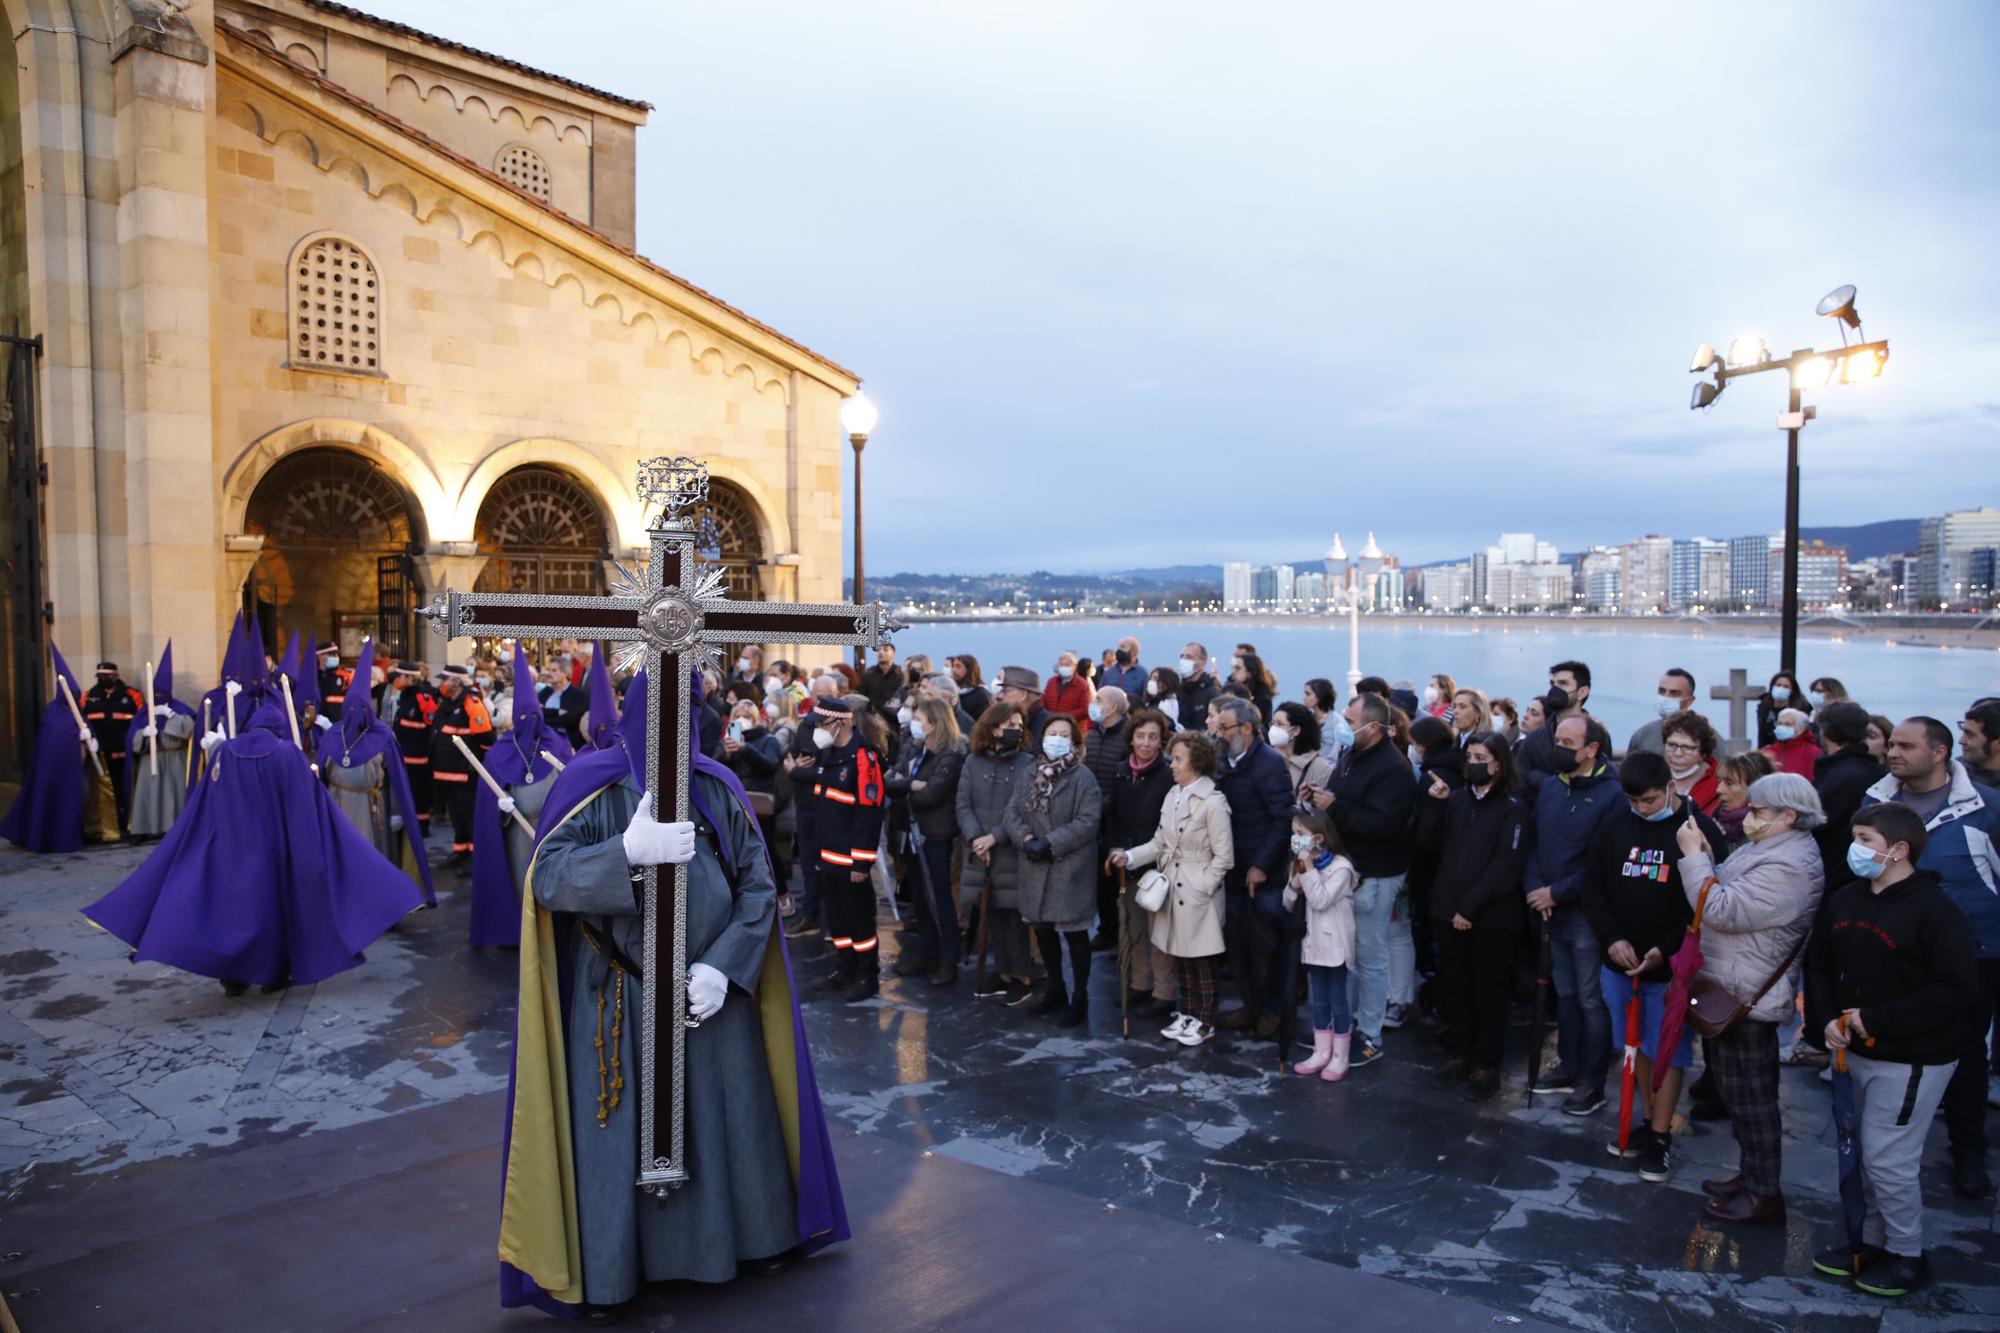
(732, 538)
(339, 534)
(542, 532)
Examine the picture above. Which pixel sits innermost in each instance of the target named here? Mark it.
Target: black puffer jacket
(1480, 846)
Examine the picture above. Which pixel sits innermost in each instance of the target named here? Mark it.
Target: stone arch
(543, 530)
(399, 460)
(738, 531)
(765, 509)
(624, 520)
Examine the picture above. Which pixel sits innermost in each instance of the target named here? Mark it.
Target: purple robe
(48, 814)
(261, 879)
(822, 1212)
(358, 737)
(514, 759)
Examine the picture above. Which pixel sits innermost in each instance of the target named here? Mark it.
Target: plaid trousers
(1197, 987)
(1744, 1061)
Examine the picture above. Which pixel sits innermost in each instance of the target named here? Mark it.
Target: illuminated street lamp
(1806, 369)
(1337, 563)
(857, 418)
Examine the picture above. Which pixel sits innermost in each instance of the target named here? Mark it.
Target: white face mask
(1171, 708)
(1683, 774)
(1280, 736)
(903, 715)
(1668, 705)
(917, 728)
(822, 738)
(745, 665)
(1187, 665)
(771, 711)
(772, 684)
(1065, 671)
(1152, 689)
(1430, 694)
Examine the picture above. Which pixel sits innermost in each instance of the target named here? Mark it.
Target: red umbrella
(1687, 961)
(1629, 1075)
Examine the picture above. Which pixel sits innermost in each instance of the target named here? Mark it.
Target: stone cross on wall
(1740, 693)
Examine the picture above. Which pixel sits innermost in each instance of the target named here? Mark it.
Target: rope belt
(611, 1081)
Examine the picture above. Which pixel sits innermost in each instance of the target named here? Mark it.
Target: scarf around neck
(1048, 772)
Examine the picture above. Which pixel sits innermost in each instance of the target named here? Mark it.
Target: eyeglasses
(1682, 747)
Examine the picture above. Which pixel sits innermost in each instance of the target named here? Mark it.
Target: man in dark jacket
(1104, 753)
(1567, 811)
(108, 710)
(1125, 671)
(1198, 687)
(1253, 778)
(1890, 977)
(1569, 688)
(1631, 893)
(883, 681)
(1842, 776)
(1372, 798)
(1023, 688)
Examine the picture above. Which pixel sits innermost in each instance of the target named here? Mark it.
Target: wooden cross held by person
(667, 617)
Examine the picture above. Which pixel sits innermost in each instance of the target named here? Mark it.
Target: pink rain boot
(1336, 1068)
(1322, 1052)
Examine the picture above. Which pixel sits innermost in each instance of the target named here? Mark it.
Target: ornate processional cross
(668, 618)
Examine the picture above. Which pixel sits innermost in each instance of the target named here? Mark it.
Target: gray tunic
(158, 798)
(529, 798)
(739, 1203)
(361, 794)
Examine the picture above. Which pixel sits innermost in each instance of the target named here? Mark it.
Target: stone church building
(333, 313)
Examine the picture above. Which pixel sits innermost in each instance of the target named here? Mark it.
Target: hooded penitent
(157, 793)
(601, 728)
(499, 849)
(540, 1238)
(243, 665)
(48, 814)
(360, 736)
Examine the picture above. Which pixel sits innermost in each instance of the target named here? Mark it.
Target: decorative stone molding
(492, 104)
(159, 25)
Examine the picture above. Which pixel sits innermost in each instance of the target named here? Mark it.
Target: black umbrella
(1544, 988)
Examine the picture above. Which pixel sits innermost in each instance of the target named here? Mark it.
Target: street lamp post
(1805, 369)
(857, 417)
(1369, 561)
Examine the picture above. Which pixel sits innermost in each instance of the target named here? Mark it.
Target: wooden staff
(498, 791)
(555, 763)
(69, 697)
(152, 750)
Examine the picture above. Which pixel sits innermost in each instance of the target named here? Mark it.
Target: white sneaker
(1195, 1033)
(1172, 1031)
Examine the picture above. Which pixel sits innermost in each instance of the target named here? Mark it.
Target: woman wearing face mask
(973, 695)
(1054, 819)
(1825, 690)
(995, 769)
(1793, 748)
(1133, 795)
(1193, 848)
(1251, 673)
(1324, 702)
(1889, 977)
(1733, 779)
(1163, 691)
(1295, 734)
(1783, 692)
(1437, 696)
(1505, 718)
(1690, 744)
(1434, 755)
(1754, 922)
(1475, 907)
(927, 780)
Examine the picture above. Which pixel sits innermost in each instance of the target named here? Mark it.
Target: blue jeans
(1374, 903)
(1326, 987)
(1583, 1023)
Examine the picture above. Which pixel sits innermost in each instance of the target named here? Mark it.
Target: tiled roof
(405, 30)
(361, 104)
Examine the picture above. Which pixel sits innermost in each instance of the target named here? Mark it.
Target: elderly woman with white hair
(1754, 923)
(1796, 747)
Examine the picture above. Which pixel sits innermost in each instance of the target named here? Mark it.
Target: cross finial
(674, 484)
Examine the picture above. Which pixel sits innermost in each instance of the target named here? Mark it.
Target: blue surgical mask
(1056, 745)
(1660, 816)
(1343, 731)
(1301, 843)
(1096, 711)
(1861, 860)
(1781, 693)
(1818, 698)
(1783, 732)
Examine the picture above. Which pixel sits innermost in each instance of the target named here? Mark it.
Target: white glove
(213, 739)
(707, 989)
(648, 842)
(232, 688)
(323, 722)
(161, 710)
(149, 731)
(91, 741)
(506, 805)
(395, 823)
(83, 734)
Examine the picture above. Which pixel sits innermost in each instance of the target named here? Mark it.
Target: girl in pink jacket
(1325, 878)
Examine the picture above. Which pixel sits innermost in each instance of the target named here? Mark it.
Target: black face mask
(1010, 739)
(1478, 774)
(1567, 758)
(1123, 658)
(1556, 700)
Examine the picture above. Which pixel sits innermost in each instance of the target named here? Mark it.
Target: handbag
(1152, 891)
(1713, 1008)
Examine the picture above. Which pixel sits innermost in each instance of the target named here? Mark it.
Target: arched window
(336, 308)
(523, 168)
(729, 537)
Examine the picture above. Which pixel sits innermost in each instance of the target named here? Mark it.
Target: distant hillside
(1869, 541)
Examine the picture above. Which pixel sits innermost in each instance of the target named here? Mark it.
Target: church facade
(317, 314)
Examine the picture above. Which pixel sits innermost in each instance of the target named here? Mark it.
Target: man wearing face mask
(1569, 689)
(1019, 686)
(1631, 893)
(1374, 794)
(1067, 693)
(847, 793)
(1255, 781)
(1198, 688)
(1125, 671)
(108, 710)
(333, 682)
(1676, 696)
(1110, 746)
(1568, 810)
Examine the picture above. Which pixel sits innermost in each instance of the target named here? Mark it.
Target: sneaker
(1656, 1161)
(1194, 1033)
(1635, 1143)
(1554, 1081)
(1365, 1052)
(1895, 1275)
(1394, 1015)
(1585, 1101)
(1842, 1261)
(994, 985)
(1172, 1031)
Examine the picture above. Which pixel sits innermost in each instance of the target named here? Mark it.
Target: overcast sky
(1139, 284)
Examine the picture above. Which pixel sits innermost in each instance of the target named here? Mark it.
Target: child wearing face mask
(1324, 878)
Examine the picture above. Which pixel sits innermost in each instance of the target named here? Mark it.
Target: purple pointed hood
(62, 670)
(305, 685)
(603, 722)
(359, 708)
(526, 705)
(163, 675)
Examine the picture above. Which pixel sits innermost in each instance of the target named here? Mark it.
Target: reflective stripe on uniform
(845, 798)
(835, 858)
(860, 855)
(865, 946)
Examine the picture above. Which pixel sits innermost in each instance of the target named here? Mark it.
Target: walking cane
(985, 916)
(1124, 956)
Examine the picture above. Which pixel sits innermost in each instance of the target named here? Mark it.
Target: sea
(1508, 658)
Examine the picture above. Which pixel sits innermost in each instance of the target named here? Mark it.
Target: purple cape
(822, 1212)
(163, 697)
(48, 814)
(242, 662)
(261, 879)
(515, 758)
(360, 736)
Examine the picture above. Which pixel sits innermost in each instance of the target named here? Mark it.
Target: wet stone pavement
(108, 1069)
